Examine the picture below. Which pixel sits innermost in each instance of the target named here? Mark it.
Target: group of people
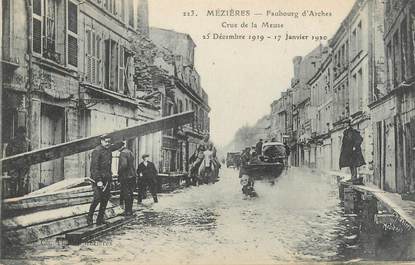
(204, 157)
(145, 177)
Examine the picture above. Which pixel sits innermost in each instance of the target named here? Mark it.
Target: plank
(88, 143)
(46, 216)
(53, 228)
(60, 185)
(13, 210)
(78, 236)
(58, 194)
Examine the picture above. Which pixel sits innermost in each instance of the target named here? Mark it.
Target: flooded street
(297, 219)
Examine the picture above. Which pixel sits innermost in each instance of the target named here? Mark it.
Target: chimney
(297, 63)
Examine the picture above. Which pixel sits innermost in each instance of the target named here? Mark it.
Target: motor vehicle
(269, 164)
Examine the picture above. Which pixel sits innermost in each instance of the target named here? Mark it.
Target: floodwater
(300, 218)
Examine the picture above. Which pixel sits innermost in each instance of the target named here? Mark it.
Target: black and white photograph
(207, 132)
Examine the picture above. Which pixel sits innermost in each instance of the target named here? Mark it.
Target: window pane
(37, 7)
(72, 17)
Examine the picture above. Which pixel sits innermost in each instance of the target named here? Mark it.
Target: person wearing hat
(19, 144)
(101, 162)
(147, 179)
(351, 153)
(127, 177)
(258, 147)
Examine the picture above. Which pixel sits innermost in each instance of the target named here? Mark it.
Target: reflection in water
(297, 219)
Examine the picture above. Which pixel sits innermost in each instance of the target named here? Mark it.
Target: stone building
(393, 105)
(304, 68)
(321, 112)
(280, 118)
(348, 80)
(358, 69)
(186, 94)
(70, 72)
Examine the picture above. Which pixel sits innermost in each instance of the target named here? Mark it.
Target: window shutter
(93, 59)
(72, 31)
(88, 56)
(98, 62)
(93, 70)
(88, 68)
(72, 51)
(121, 69)
(37, 35)
(37, 24)
(106, 66)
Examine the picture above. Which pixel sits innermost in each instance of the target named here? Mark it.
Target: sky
(243, 77)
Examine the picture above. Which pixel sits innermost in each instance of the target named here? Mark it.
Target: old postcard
(207, 132)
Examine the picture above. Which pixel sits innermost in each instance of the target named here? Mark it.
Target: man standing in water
(351, 153)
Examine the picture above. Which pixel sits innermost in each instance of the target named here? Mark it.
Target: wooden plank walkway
(392, 201)
(84, 234)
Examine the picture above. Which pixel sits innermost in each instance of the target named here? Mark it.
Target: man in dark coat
(101, 161)
(351, 153)
(19, 144)
(127, 177)
(245, 159)
(147, 179)
(258, 147)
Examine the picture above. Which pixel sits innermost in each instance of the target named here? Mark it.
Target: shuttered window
(121, 70)
(37, 35)
(98, 59)
(72, 51)
(93, 57)
(72, 32)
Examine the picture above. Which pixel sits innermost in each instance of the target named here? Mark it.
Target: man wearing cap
(101, 160)
(147, 179)
(127, 178)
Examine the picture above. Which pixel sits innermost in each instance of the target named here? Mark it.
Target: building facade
(392, 106)
(366, 74)
(79, 68)
(321, 112)
(304, 69)
(186, 94)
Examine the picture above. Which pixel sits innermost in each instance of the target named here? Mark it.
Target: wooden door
(410, 155)
(389, 155)
(52, 133)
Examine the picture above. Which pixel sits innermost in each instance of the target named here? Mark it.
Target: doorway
(52, 133)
